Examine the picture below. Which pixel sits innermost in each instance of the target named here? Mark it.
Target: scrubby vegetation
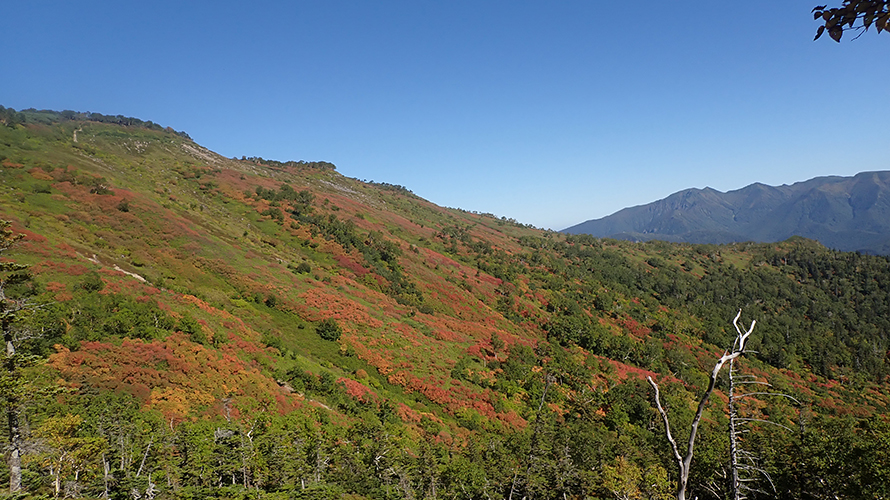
(204, 327)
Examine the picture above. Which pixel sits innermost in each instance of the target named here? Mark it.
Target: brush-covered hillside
(194, 326)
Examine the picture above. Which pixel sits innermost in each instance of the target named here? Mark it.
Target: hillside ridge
(845, 213)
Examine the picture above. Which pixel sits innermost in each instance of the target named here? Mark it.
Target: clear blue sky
(551, 113)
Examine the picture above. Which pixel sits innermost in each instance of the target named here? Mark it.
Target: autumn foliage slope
(231, 304)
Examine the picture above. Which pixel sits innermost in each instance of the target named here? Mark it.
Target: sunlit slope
(200, 284)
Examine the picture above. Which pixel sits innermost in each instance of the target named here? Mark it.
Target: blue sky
(551, 113)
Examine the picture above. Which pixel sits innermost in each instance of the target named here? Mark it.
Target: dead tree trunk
(744, 468)
(735, 485)
(14, 456)
(684, 462)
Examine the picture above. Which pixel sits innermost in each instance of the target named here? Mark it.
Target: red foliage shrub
(357, 390)
(319, 304)
(61, 267)
(175, 376)
(31, 235)
(407, 414)
(635, 328)
(350, 263)
(624, 371)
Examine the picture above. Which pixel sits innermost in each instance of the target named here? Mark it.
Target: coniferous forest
(183, 325)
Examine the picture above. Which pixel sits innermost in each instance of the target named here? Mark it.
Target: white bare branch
(684, 463)
(667, 424)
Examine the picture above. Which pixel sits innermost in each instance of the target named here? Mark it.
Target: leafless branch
(684, 463)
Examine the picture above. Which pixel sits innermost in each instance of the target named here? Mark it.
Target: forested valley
(183, 325)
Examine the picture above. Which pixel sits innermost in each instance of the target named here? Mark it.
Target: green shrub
(91, 282)
(328, 329)
(301, 268)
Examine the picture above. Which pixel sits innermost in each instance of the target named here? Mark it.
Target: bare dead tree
(744, 468)
(684, 462)
(733, 436)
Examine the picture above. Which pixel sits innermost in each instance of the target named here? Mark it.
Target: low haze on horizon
(551, 113)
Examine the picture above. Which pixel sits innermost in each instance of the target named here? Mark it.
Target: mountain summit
(845, 213)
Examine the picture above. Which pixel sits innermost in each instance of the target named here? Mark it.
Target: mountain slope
(218, 328)
(846, 213)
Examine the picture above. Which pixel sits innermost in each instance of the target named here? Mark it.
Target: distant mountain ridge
(845, 213)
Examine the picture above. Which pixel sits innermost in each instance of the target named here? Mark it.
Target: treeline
(44, 116)
(10, 117)
(319, 165)
(397, 188)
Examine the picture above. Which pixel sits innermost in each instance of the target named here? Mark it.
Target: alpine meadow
(184, 325)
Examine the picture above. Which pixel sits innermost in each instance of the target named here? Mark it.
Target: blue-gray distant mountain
(845, 213)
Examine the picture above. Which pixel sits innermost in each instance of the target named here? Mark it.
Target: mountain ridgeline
(195, 326)
(844, 213)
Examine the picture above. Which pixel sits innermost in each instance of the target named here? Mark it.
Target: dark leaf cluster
(852, 15)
